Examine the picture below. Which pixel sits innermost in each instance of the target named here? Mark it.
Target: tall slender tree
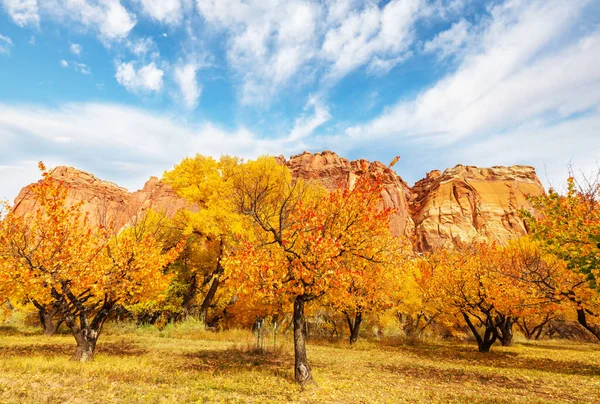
(305, 239)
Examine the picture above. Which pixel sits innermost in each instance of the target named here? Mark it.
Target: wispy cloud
(101, 137)
(514, 75)
(5, 44)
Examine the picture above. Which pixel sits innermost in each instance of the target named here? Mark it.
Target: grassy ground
(188, 365)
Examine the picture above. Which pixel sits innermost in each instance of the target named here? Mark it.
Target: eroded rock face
(466, 203)
(332, 171)
(462, 204)
(106, 202)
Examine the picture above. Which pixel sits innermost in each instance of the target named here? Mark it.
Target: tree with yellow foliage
(55, 256)
(213, 224)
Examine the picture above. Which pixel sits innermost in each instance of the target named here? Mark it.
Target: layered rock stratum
(460, 205)
(106, 202)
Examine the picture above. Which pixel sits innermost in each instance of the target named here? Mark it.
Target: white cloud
(382, 67)
(383, 33)
(147, 78)
(549, 148)
(448, 43)
(5, 44)
(513, 76)
(102, 138)
(185, 77)
(306, 124)
(76, 49)
(269, 42)
(165, 11)
(272, 45)
(109, 18)
(22, 12)
(64, 63)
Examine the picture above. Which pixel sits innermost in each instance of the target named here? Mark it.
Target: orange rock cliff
(462, 204)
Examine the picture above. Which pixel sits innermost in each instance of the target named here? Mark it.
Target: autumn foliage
(256, 246)
(55, 257)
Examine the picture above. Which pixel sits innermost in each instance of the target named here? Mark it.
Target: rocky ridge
(462, 204)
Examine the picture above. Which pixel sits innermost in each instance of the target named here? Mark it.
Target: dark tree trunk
(190, 294)
(302, 371)
(582, 319)
(489, 336)
(86, 345)
(210, 295)
(212, 291)
(504, 329)
(354, 326)
(50, 326)
(86, 332)
(50, 318)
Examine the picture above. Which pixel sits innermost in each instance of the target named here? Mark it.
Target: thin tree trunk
(190, 294)
(210, 295)
(354, 326)
(302, 370)
(275, 333)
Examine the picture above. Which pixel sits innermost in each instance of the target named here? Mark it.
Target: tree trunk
(86, 345)
(484, 343)
(213, 286)
(582, 319)
(354, 326)
(47, 317)
(50, 326)
(302, 371)
(504, 329)
(190, 294)
(209, 298)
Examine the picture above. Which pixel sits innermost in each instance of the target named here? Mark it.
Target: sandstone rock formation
(466, 203)
(104, 201)
(461, 204)
(332, 171)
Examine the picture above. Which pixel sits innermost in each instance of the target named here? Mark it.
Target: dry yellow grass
(185, 364)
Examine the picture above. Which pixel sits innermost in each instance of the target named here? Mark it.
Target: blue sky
(126, 88)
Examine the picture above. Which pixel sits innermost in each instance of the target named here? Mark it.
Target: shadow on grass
(469, 356)
(66, 350)
(568, 346)
(234, 360)
(491, 381)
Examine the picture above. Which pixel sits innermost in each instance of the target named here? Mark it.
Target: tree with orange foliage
(472, 283)
(306, 239)
(55, 256)
(568, 226)
(549, 277)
